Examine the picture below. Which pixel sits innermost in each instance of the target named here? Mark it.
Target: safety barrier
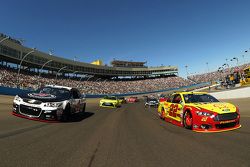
(15, 91)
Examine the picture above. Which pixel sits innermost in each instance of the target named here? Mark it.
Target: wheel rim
(188, 119)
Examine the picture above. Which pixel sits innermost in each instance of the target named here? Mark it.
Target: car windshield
(152, 99)
(199, 98)
(55, 91)
(110, 97)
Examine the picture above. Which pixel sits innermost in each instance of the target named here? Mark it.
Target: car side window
(177, 98)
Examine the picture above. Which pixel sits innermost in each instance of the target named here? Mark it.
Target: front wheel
(162, 114)
(66, 114)
(84, 108)
(188, 120)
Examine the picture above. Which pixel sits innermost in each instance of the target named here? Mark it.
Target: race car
(109, 101)
(132, 99)
(151, 102)
(199, 112)
(50, 103)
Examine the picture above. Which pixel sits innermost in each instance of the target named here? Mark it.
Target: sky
(199, 34)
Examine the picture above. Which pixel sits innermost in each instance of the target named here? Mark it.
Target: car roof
(60, 87)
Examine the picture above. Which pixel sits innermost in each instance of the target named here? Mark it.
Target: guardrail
(14, 91)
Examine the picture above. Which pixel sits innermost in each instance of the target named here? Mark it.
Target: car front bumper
(36, 113)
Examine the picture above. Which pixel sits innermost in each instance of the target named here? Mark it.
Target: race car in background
(132, 99)
(199, 112)
(151, 102)
(109, 101)
(51, 103)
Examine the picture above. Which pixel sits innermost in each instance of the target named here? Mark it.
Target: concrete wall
(233, 94)
(15, 91)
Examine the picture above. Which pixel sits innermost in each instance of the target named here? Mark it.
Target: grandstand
(28, 68)
(34, 60)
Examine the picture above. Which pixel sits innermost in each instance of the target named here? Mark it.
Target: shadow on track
(79, 117)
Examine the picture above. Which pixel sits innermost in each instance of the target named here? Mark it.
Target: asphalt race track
(130, 136)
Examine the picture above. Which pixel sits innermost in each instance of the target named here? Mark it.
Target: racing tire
(84, 108)
(188, 120)
(162, 116)
(66, 114)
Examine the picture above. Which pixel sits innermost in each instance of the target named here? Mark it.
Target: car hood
(42, 97)
(109, 100)
(152, 101)
(218, 107)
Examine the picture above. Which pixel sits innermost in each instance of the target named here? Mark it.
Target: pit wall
(15, 91)
(233, 94)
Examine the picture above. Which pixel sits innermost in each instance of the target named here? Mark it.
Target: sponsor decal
(41, 95)
(204, 119)
(224, 122)
(220, 106)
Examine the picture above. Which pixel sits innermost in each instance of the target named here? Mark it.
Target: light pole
(90, 77)
(97, 79)
(32, 51)
(186, 69)
(60, 70)
(4, 39)
(207, 67)
(237, 60)
(243, 57)
(43, 66)
(82, 77)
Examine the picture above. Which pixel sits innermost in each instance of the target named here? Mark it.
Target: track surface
(130, 136)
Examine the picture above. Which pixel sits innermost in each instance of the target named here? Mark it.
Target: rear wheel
(188, 120)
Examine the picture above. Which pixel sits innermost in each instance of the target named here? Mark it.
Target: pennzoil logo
(225, 122)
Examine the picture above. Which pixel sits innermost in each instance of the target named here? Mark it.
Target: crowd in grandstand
(8, 78)
(219, 75)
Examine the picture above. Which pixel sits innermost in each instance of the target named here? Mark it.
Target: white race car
(50, 103)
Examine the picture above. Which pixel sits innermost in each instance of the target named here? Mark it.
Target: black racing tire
(188, 120)
(162, 116)
(84, 108)
(66, 114)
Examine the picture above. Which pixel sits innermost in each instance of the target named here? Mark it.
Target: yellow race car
(199, 112)
(110, 101)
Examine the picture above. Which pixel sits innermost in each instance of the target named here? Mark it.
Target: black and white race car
(51, 103)
(151, 101)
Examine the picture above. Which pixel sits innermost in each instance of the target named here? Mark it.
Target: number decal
(173, 109)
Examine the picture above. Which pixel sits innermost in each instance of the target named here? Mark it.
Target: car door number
(173, 109)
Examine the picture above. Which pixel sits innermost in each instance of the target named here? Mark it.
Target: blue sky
(168, 32)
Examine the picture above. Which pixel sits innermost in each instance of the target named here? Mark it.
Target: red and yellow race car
(199, 112)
